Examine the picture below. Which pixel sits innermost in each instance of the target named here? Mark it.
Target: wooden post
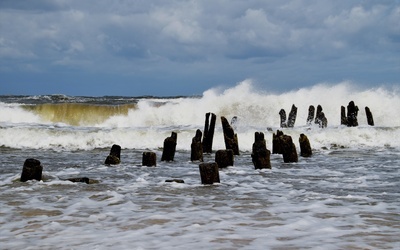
(289, 149)
(320, 118)
(169, 147)
(231, 140)
(311, 113)
(343, 118)
(196, 147)
(114, 157)
(224, 158)
(32, 170)
(292, 117)
(317, 114)
(305, 147)
(282, 115)
(352, 112)
(260, 154)
(208, 136)
(370, 118)
(209, 173)
(149, 159)
(276, 142)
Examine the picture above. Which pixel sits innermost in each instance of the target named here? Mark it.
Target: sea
(345, 196)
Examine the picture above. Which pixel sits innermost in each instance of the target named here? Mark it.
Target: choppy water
(346, 196)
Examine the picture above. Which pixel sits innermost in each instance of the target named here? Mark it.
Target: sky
(171, 48)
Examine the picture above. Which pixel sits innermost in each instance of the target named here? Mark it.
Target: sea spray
(145, 122)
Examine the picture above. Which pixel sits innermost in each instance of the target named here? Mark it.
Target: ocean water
(346, 196)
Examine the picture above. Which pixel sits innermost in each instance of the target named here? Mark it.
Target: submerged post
(32, 170)
(224, 158)
(169, 147)
(276, 142)
(231, 140)
(305, 147)
(196, 147)
(114, 157)
(260, 155)
(209, 173)
(208, 136)
(149, 159)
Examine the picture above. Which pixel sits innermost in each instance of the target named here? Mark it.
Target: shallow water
(338, 199)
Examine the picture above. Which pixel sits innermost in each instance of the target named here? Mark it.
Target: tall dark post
(352, 112)
(169, 147)
(318, 114)
(282, 115)
(311, 113)
(305, 147)
(276, 142)
(370, 118)
(289, 149)
(292, 117)
(196, 147)
(260, 155)
(231, 140)
(208, 136)
(343, 118)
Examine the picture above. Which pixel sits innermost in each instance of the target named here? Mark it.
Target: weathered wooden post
(292, 117)
(320, 118)
(196, 147)
(231, 140)
(32, 170)
(208, 136)
(276, 142)
(352, 112)
(289, 149)
(224, 158)
(149, 159)
(169, 147)
(343, 118)
(209, 173)
(114, 157)
(282, 115)
(305, 147)
(311, 113)
(260, 154)
(370, 118)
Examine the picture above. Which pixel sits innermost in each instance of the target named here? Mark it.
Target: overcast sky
(168, 48)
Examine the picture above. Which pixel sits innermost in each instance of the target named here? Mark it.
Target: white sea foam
(152, 120)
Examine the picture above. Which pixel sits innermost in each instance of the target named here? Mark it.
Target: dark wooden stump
(114, 157)
(208, 136)
(292, 117)
(196, 147)
(282, 115)
(231, 140)
(370, 118)
(305, 147)
(317, 114)
(311, 113)
(289, 149)
(352, 112)
(276, 142)
(32, 170)
(343, 118)
(169, 147)
(224, 158)
(209, 173)
(260, 154)
(149, 159)
(175, 180)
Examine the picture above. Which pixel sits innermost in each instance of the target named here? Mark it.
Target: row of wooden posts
(349, 120)
(282, 144)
